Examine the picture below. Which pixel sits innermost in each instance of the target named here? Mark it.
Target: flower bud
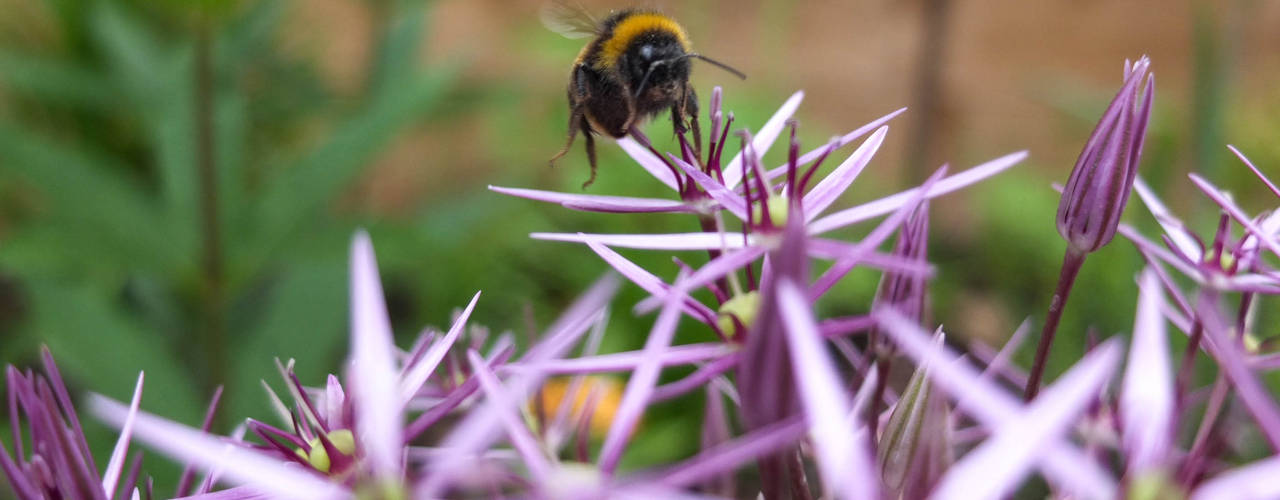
(1099, 186)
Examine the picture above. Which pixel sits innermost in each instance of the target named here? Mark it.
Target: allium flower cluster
(797, 405)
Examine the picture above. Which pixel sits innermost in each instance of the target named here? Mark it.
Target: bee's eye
(646, 51)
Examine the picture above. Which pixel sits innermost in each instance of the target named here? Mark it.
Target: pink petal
(995, 468)
(112, 475)
(628, 360)
(843, 456)
(505, 407)
(1223, 200)
(1255, 170)
(731, 201)
(679, 241)
(1256, 481)
(598, 203)
(724, 264)
(648, 281)
(648, 161)
(890, 203)
(1173, 227)
(1065, 465)
(763, 139)
(839, 142)
(422, 370)
(239, 465)
(641, 383)
(1146, 400)
(833, 185)
(372, 372)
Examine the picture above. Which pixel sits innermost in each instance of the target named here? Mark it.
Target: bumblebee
(636, 66)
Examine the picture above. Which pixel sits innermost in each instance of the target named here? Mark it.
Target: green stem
(1071, 263)
(213, 328)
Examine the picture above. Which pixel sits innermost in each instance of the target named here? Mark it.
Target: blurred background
(179, 180)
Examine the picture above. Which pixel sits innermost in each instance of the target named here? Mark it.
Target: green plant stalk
(213, 327)
(1071, 263)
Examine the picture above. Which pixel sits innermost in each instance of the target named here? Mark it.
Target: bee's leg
(579, 93)
(591, 157)
(691, 108)
(575, 118)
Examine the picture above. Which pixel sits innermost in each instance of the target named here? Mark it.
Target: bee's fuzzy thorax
(631, 26)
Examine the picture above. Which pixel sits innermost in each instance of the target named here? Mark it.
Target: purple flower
(56, 462)
(1099, 185)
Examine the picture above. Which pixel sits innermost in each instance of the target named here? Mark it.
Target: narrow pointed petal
(1228, 352)
(1224, 201)
(995, 468)
(1146, 400)
(641, 384)
(628, 360)
(843, 456)
(763, 139)
(679, 241)
(1256, 481)
(111, 476)
(839, 142)
(724, 264)
(833, 185)
(890, 203)
(731, 201)
(598, 203)
(378, 408)
(1261, 176)
(502, 404)
(422, 370)
(1066, 466)
(729, 456)
(649, 162)
(1173, 227)
(648, 281)
(239, 465)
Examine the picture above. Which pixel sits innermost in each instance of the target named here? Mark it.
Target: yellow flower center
(343, 441)
(744, 307)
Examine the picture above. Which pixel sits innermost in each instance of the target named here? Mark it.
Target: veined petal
(598, 203)
(650, 283)
(843, 456)
(731, 201)
(626, 361)
(502, 404)
(1224, 201)
(677, 241)
(718, 267)
(1146, 401)
(643, 380)
(839, 142)
(996, 467)
(649, 162)
(1255, 170)
(1173, 227)
(1256, 481)
(763, 139)
(239, 465)
(378, 408)
(890, 203)
(422, 370)
(730, 455)
(111, 476)
(1065, 465)
(833, 185)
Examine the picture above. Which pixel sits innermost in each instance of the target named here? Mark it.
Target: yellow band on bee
(633, 26)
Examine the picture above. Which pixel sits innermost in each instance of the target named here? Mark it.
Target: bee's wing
(568, 18)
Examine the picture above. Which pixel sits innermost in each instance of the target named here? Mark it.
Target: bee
(635, 66)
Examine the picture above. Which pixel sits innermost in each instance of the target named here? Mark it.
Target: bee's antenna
(648, 73)
(720, 65)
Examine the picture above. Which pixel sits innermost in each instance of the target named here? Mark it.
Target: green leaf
(304, 319)
(54, 81)
(95, 341)
(321, 175)
(85, 187)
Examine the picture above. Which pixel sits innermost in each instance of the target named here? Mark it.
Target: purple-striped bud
(1099, 186)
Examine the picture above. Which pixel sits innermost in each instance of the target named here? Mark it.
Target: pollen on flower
(343, 440)
(600, 396)
(742, 306)
(778, 207)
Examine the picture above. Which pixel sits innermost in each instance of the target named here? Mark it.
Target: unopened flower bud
(1099, 186)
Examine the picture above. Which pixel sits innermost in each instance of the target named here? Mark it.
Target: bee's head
(656, 62)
